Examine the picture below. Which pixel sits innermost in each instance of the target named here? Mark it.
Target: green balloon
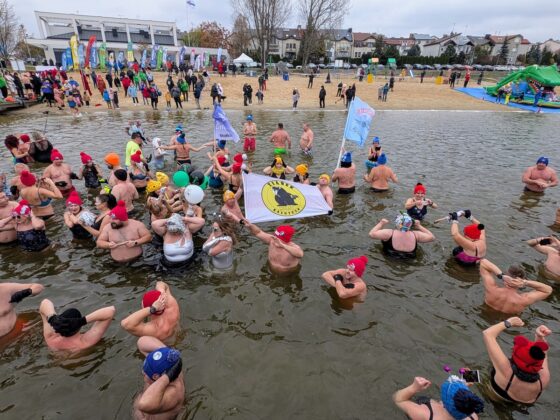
(204, 185)
(181, 179)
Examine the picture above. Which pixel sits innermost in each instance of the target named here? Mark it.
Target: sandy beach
(408, 94)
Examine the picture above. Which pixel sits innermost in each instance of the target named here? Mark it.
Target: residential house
(364, 43)
(402, 44)
(421, 40)
(286, 42)
(517, 45)
(339, 43)
(551, 45)
(461, 43)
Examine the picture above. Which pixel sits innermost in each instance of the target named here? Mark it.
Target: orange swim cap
(112, 159)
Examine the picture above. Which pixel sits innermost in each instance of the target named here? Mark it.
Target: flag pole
(344, 138)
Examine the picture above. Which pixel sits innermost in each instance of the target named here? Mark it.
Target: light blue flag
(191, 3)
(359, 120)
(143, 60)
(222, 128)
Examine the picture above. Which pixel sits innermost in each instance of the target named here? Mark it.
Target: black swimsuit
(427, 401)
(91, 177)
(80, 232)
(527, 377)
(392, 252)
(416, 213)
(32, 240)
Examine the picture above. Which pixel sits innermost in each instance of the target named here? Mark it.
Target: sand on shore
(408, 94)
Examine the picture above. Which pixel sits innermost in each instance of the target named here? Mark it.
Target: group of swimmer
(176, 215)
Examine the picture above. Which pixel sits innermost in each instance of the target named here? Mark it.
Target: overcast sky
(536, 20)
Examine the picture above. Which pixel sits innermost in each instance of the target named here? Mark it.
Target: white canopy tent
(243, 59)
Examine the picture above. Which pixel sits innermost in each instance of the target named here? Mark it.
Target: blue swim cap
(249, 117)
(179, 127)
(346, 157)
(376, 140)
(382, 159)
(158, 361)
(181, 139)
(221, 144)
(458, 400)
(543, 159)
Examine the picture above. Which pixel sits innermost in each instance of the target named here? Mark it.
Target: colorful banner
(120, 61)
(222, 127)
(81, 55)
(268, 199)
(182, 54)
(63, 60)
(90, 44)
(74, 48)
(358, 122)
(153, 61)
(103, 56)
(94, 58)
(69, 61)
(159, 57)
(192, 57)
(129, 54)
(144, 57)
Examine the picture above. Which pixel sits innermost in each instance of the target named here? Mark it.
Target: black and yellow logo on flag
(282, 198)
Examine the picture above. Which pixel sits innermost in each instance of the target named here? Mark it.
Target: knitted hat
(221, 160)
(119, 212)
(473, 231)
(27, 178)
(74, 198)
(238, 158)
(458, 400)
(23, 208)
(358, 265)
(85, 157)
(149, 298)
(382, 159)
(236, 168)
(112, 159)
(285, 233)
(152, 186)
(527, 355)
(56, 155)
(24, 138)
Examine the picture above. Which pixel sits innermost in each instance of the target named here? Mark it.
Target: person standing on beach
(422, 75)
(467, 78)
(322, 96)
(310, 82)
(385, 92)
(295, 98)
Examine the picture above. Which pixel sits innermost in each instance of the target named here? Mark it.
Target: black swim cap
(120, 174)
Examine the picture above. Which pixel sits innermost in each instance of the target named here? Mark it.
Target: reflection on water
(258, 345)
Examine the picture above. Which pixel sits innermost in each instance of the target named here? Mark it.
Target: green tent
(545, 76)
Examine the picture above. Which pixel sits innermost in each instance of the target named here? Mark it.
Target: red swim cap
(56, 155)
(74, 198)
(85, 157)
(149, 298)
(285, 233)
(419, 189)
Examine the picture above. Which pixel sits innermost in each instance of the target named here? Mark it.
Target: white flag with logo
(268, 199)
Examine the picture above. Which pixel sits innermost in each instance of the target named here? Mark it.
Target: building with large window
(56, 29)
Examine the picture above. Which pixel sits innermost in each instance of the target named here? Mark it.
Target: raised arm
(293, 249)
(499, 360)
(377, 232)
(134, 323)
(540, 291)
(101, 319)
(255, 230)
(487, 271)
(423, 235)
(542, 244)
(403, 397)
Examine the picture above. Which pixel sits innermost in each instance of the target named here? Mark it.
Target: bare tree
(265, 17)
(240, 39)
(8, 30)
(319, 16)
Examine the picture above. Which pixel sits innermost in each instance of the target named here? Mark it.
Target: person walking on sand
(295, 99)
(322, 96)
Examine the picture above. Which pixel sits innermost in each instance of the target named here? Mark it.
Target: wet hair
(109, 199)
(227, 226)
(345, 164)
(516, 271)
(11, 142)
(280, 125)
(120, 174)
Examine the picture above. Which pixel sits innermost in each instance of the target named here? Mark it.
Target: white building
(56, 29)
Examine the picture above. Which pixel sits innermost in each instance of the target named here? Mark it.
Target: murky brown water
(259, 346)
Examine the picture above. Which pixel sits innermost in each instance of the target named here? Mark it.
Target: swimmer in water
(417, 206)
(539, 177)
(345, 175)
(62, 332)
(549, 246)
(472, 245)
(348, 281)
(10, 295)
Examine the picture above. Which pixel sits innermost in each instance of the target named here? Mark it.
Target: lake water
(261, 346)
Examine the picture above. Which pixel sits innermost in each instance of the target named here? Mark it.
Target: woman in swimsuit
(457, 401)
(90, 171)
(401, 242)
(30, 230)
(417, 206)
(278, 169)
(39, 194)
(138, 172)
(219, 244)
(72, 216)
(12, 144)
(182, 148)
(302, 174)
(233, 178)
(178, 247)
(374, 153)
(522, 377)
(472, 246)
(104, 203)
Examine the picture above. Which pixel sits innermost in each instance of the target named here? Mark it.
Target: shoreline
(409, 95)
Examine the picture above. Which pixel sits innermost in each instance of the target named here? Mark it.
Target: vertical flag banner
(192, 57)
(153, 60)
(69, 61)
(63, 59)
(268, 199)
(74, 48)
(159, 57)
(222, 127)
(103, 56)
(90, 44)
(81, 55)
(144, 56)
(129, 54)
(358, 122)
(219, 58)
